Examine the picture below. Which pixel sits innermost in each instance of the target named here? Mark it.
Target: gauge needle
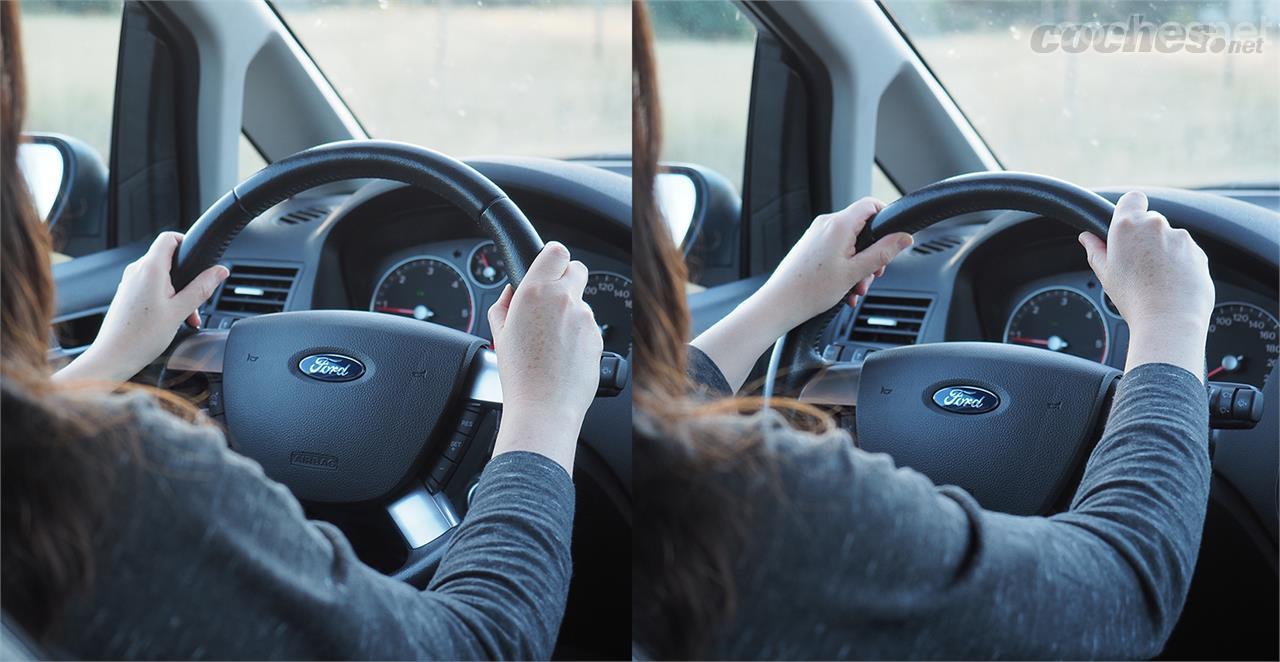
(417, 312)
(1054, 343)
(1229, 364)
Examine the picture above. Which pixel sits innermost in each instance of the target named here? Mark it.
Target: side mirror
(68, 183)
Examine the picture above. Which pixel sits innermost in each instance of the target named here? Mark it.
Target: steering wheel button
(457, 446)
(442, 472)
(469, 422)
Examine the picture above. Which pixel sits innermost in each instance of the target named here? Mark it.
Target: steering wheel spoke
(422, 517)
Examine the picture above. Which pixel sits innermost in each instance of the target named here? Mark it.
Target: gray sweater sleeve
(208, 558)
(859, 558)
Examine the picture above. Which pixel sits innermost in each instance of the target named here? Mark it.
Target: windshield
(1103, 92)
(541, 78)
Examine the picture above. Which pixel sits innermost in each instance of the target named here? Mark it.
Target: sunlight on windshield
(545, 78)
(1156, 93)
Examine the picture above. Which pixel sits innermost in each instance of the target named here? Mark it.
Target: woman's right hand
(824, 266)
(1159, 280)
(549, 349)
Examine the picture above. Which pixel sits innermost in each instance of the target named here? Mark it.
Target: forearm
(736, 341)
(91, 366)
(505, 577)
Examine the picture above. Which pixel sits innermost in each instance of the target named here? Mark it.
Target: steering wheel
(348, 407)
(1010, 424)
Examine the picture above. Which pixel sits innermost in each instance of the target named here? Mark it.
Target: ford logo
(331, 367)
(965, 399)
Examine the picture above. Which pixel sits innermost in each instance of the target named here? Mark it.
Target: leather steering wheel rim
(454, 181)
(976, 192)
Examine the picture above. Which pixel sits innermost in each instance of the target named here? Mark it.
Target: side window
(70, 51)
(705, 54)
(251, 160)
(882, 187)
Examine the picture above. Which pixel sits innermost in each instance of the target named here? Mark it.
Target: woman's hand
(144, 315)
(549, 350)
(820, 270)
(1159, 280)
(824, 267)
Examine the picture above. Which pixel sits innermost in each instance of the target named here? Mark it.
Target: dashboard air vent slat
(254, 290)
(937, 245)
(890, 320)
(305, 215)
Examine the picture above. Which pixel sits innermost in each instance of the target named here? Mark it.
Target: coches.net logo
(1138, 35)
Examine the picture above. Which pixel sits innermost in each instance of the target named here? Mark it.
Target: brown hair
(690, 521)
(58, 444)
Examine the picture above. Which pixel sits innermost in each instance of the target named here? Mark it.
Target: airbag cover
(353, 426)
(1008, 424)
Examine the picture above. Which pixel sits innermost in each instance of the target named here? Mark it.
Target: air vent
(305, 215)
(254, 290)
(889, 320)
(936, 245)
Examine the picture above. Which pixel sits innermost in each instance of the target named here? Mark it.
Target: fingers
(851, 220)
(550, 264)
(863, 286)
(575, 278)
(193, 320)
(199, 290)
(162, 249)
(878, 255)
(1095, 251)
(498, 311)
(1131, 206)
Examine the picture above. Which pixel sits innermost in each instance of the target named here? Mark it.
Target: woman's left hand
(144, 315)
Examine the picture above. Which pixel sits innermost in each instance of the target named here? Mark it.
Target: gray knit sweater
(205, 557)
(862, 559)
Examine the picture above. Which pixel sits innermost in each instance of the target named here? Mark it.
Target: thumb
(1095, 251)
(201, 288)
(498, 312)
(880, 254)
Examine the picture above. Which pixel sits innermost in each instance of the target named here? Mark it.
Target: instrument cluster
(455, 282)
(1071, 314)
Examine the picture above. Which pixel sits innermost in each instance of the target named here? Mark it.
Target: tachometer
(609, 296)
(1059, 319)
(1242, 345)
(427, 289)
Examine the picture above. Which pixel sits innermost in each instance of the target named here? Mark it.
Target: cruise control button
(457, 446)
(441, 473)
(469, 421)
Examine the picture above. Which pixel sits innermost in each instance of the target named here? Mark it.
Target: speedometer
(1242, 345)
(1059, 319)
(609, 296)
(427, 289)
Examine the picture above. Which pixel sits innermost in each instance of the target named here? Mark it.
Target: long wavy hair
(57, 443)
(690, 525)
